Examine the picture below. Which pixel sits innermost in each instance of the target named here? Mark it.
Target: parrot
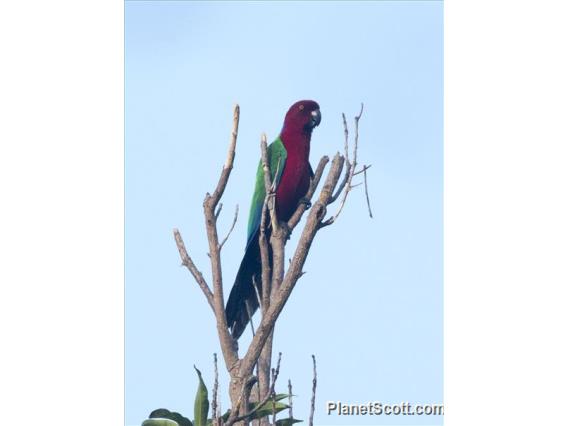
(291, 172)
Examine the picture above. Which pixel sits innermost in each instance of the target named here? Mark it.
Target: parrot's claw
(305, 201)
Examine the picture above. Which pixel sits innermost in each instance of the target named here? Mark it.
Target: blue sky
(370, 305)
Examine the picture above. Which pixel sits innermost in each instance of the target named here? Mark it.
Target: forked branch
(346, 185)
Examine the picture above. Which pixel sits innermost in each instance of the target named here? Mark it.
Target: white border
(61, 301)
(506, 212)
(61, 214)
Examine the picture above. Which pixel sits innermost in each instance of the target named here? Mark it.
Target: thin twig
(363, 170)
(214, 408)
(350, 170)
(346, 133)
(273, 400)
(367, 192)
(250, 317)
(347, 162)
(341, 186)
(188, 263)
(290, 413)
(234, 133)
(314, 385)
(275, 181)
(232, 227)
(228, 166)
(218, 211)
(256, 292)
(357, 118)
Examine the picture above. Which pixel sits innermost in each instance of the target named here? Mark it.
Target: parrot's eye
(301, 107)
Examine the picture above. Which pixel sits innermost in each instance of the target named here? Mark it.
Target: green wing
(277, 159)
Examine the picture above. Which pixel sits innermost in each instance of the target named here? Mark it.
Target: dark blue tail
(243, 300)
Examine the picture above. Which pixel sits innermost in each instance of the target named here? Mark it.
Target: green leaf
(266, 409)
(180, 420)
(159, 422)
(287, 422)
(225, 416)
(163, 413)
(160, 413)
(280, 396)
(201, 407)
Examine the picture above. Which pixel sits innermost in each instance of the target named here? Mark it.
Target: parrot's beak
(316, 118)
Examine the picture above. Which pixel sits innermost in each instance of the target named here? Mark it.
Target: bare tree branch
(357, 118)
(250, 317)
(228, 166)
(265, 164)
(350, 170)
(264, 363)
(341, 186)
(347, 162)
(214, 407)
(290, 402)
(314, 385)
(273, 402)
(346, 134)
(269, 184)
(367, 192)
(363, 170)
(266, 273)
(228, 345)
(218, 210)
(265, 358)
(188, 263)
(263, 242)
(272, 200)
(232, 227)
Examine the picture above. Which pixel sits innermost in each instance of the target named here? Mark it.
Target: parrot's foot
(305, 201)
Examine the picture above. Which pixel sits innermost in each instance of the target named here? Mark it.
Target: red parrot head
(303, 116)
